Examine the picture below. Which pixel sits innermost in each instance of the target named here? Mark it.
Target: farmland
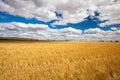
(59, 61)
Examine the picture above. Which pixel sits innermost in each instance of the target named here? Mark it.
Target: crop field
(59, 61)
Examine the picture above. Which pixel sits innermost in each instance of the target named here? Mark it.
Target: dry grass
(60, 61)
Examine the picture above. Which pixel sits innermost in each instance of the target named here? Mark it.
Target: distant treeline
(8, 39)
(109, 41)
(16, 39)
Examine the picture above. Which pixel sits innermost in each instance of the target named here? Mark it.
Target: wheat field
(59, 61)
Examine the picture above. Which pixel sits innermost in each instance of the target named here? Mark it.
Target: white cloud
(70, 31)
(109, 12)
(96, 33)
(73, 11)
(115, 28)
(38, 31)
(93, 30)
(110, 22)
(72, 18)
(31, 10)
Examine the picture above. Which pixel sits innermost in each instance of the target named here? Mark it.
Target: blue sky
(92, 20)
(86, 24)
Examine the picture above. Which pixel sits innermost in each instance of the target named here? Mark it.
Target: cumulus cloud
(38, 31)
(110, 13)
(73, 11)
(98, 34)
(115, 28)
(31, 10)
(43, 32)
(110, 22)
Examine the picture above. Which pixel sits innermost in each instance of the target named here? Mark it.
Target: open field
(59, 61)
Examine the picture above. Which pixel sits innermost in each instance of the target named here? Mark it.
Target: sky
(84, 20)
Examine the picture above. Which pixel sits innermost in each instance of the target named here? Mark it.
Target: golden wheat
(60, 61)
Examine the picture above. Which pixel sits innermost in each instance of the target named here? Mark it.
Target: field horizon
(22, 39)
